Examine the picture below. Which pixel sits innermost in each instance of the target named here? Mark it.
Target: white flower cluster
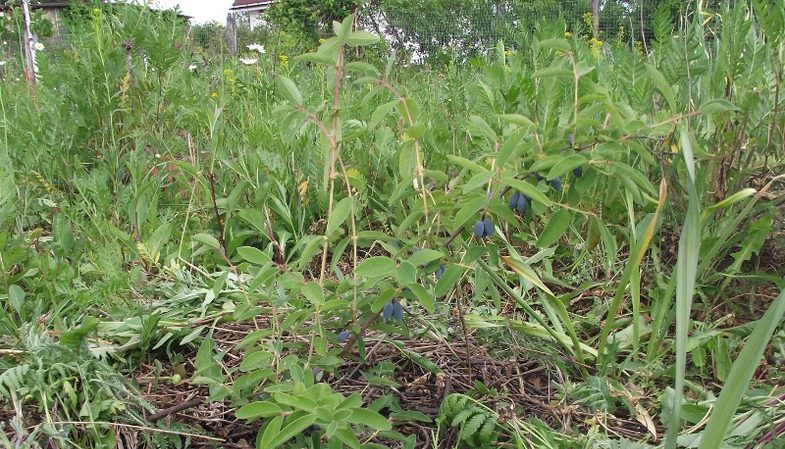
(258, 48)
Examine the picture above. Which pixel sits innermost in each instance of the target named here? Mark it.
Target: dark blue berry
(522, 204)
(577, 172)
(556, 183)
(479, 229)
(311, 429)
(439, 271)
(488, 227)
(343, 336)
(387, 312)
(571, 139)
(397, 310)
(514, 200)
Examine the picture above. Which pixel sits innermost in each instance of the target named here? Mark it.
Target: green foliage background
(152, 188)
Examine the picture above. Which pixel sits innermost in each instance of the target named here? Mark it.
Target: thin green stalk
(686, 273)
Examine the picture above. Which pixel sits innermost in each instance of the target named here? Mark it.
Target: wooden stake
(29, 45)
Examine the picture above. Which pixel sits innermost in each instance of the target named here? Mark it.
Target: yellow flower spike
(302, 189)
(322, 40)
(214, 95)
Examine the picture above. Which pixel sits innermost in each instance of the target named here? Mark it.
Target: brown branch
(174, 409)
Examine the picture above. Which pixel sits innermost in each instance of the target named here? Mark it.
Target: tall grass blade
(633, 265)
(741, 374)
(686, 272)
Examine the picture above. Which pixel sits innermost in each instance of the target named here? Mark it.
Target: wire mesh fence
(457, 29)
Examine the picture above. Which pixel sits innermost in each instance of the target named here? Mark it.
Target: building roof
(250, 5)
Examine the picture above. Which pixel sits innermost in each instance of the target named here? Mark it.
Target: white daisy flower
(249, 61)
(192, 68)
(39, 46)
(2, 63)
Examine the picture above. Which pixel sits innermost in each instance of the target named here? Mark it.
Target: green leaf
(313, 291)
(423, 296)
(526, 272)
(377, 266)
(289, 89)
(272, 429)
(553, 72)
(565, 165)
(253, 255)
(73, 339)
(255, 360)
(369, 418)
(480, 128)
(424, 256)
(339, 214)
(317, 57)
(446, 283)
(662, 85)
(364, 67)
(517, 119)
(556, 227)
(733, 199)
(406, 273)
(362, 39)
(756, 237)
(207, 239)
(528, 189)
(686, 274)
(556, 44)
(258, 409)
(291, 429)
(469, 210)
(717, 105)
(17, 297)
(740, 375)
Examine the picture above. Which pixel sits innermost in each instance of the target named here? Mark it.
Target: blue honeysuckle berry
(577, 171)
(343, 336)
(488, 227)
(571, 139)
(439, 271)
(522, 204)
(479, 229)
(397, 310)
(555, 183)
(311, 429)
(514, 200)
(387, 311)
